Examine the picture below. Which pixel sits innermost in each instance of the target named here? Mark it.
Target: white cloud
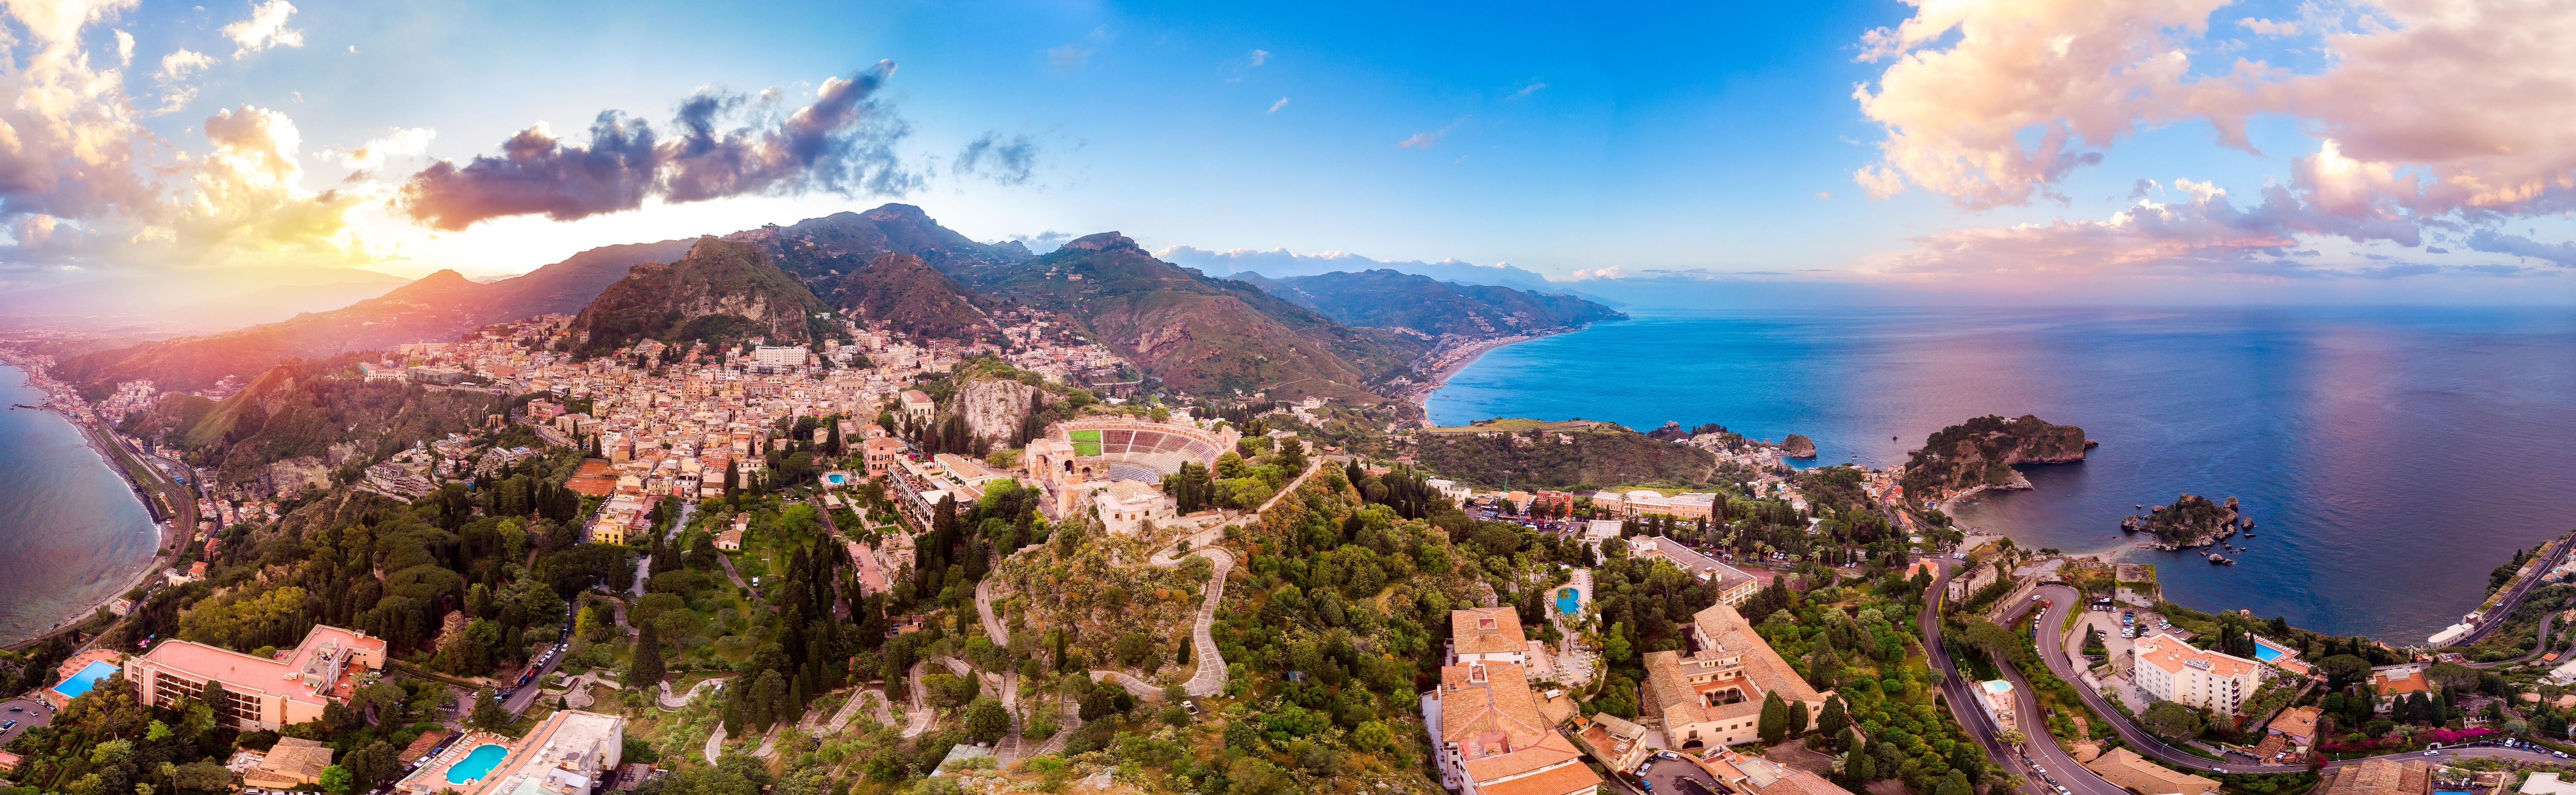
(2266, 27)
(1260, 57)
(265, 28)
(124, 48)
(400, 143)
(1527, 90)
(179, 65)
(1612, 272)
(1424, 140)
(1275, 106)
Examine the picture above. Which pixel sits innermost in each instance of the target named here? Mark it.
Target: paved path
(715, 743)
(576, 692)
(670, 702)
(918, 714)
(1072, 720)
(1209, 679)
(1140, 688)
(2052, 650)
(2537, 649)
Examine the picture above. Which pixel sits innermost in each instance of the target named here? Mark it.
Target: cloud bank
(842, 143)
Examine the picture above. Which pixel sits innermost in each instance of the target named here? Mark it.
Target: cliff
(994, 408)
(721, 291)
(1981, 453)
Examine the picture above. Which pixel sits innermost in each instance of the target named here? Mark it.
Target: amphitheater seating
(1141, 451)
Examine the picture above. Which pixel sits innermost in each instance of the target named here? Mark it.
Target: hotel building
(264, 692)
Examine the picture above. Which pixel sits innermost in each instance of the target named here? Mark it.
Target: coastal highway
(1962, 704)
(2521, 587)
(2052, 650)
(2538, 648)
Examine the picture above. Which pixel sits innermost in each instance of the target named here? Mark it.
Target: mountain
(907, 293)
(439, 306)
(1387, 298)
(1280, 264)
(819, 251)
(722, 290)
(292, 424)
(1200, 334)
(1982, 452)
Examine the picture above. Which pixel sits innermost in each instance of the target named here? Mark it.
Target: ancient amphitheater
(1143, 451)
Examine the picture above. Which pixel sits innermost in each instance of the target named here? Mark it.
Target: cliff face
(1797, 445)
(1982, 452)
(994, 408)
(721, 291)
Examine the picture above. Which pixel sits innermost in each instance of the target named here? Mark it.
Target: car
(2432, 753)
(2061, 791)
(2034, 598)
(2214, 769)
(17, 709)
(2560, 754)
(7, 725)
(1648, 786)
(1667, 755)
(2043, 772)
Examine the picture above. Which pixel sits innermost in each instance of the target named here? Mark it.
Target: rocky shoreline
(2209, 523)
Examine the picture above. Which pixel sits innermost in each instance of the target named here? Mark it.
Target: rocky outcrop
(2191, 521)
(994, 408)
(720, 291)
(1982, 452)
(1798, 446)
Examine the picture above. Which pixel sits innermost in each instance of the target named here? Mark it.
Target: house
(2296, 724)
(571, 752)
(2547, 784)
(262, 693)
(2375, 777)
(293, 762)
(2168, 669)
(731, 539)
(1734, 587)
(1713, 698)
(2125, 768)
(1487, 634)
(1490, 738)
(1617, 743)
(1750, 774)
(1126, 505)
(2399, 681)
(1999, 701)
(880, 454)
(916, 405)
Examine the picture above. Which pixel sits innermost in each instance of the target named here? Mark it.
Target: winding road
(2052, 650)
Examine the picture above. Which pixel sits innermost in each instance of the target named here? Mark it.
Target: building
(421, 746)
(1126, 506)
(778, 356)
(1713, 698)
(1999, 702)
(569, 753)
(2449, 635)
(880, 453)
(1488, 634)
(2296, 724)
(1750, 774)
(1490, 738)
(731, 539)
(2126, 769)
(916, 405)
(1616, 742)
(2375, 777)
(1733, 585)
(1552, 503)
(292, 762)
(2168, 669)
(2399, 681)
(2547, 784)
(263, 693)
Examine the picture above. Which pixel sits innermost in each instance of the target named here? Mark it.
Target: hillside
(439, 306)
(902, 290)
(721, 291)
(1556, 455)
(1982, 452)
(1204, 335)
(293, 424)
(1387, 298)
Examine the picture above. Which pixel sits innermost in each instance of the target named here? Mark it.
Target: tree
(375, 764)
(488, 714)
(1955, 784)
(1774, 724)
(1834, 719)
(646, 671)
(1614, 646)
(986, 720)
(766, 694)
(1797, 718)
(1967, 758)
(334, 779)
(2171, 721)
(204, 775)
(1997, 642)
(1823, 667)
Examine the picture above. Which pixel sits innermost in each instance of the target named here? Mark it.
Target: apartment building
(1488, 634)
(262, 692)
(2171, 670)
(1490, 738)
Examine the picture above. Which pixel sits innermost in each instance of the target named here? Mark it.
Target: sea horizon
(2339, 428)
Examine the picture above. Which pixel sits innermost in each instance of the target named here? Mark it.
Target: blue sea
(2391, 457)
(72, 534)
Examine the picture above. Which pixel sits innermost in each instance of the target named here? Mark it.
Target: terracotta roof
(420, 747)
(1499, 703)
(1487, 630)
(2173, 655)
(2123, 767)
(297, 758)
(2300, 722)
(1571, 778)
(1668, 693)
(2377, 777)
(2400, 681)
(1732, 634)
(1800, 782)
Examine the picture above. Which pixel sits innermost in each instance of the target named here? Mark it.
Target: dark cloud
(842, 143)
(2493, 242)
(1005, 162)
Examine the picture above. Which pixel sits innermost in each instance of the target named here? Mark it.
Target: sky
(2015, 150)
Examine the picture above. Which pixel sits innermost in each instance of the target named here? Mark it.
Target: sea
(2390, 457)
(72, 534)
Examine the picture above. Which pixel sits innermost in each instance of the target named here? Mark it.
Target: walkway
(1210, 677)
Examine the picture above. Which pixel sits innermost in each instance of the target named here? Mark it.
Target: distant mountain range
(1339, 335)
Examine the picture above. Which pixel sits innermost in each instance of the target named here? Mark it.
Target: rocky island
(2191, 521)
(1980, 454)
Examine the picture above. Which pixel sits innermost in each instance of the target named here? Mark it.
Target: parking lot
(28, 713)
(1678, 777)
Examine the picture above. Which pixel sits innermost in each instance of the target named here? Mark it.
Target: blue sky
(1575, 141)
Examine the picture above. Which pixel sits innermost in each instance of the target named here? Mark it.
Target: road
(519, 700)
(2052, 650)
(1955, 693)
(2538, 648)
(2513, 598)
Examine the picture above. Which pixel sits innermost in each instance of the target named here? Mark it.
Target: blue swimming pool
(88, 678)
(2265, 652)
(477, 764)
(835, 479)
(1569, 601)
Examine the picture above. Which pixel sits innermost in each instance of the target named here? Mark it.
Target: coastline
(1459, 360)
(91, 437)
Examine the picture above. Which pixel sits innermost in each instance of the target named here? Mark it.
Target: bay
(2391, 456)
(72, 534)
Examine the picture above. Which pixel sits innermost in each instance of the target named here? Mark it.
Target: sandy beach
(95, 439)
(1459, 359)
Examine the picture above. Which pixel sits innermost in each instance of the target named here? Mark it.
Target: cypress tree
(646, 670)
(1774, 724)
(1835, 719)
(1797, 719)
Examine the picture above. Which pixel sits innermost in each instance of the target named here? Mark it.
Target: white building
(1998, 700)
(2171, 670)
(778, 356)
(1487, 634)
(2449, 635)
(1126, 505)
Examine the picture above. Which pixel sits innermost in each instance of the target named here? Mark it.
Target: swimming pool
(477, 764)
(1569, 601)
(88, 678)
(2265, 651)
(835, 479)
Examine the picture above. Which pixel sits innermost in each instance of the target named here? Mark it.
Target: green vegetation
(1568, 455)
(722, 292)
(1981, 452)
(1393, 299)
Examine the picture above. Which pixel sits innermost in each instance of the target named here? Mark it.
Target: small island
(2191, 521)
(1980, 454)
